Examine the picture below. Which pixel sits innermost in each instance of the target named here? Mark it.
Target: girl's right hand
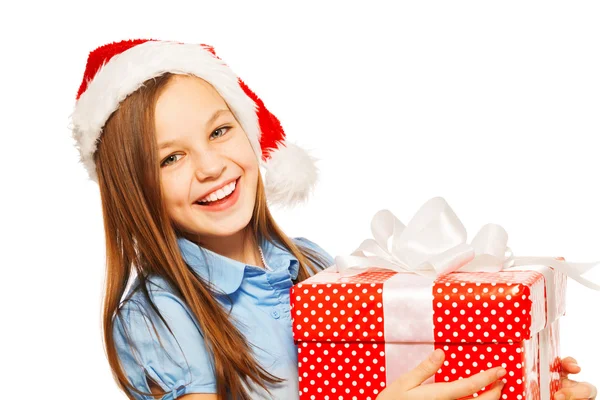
(408, 386)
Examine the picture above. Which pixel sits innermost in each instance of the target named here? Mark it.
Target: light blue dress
(261, 303)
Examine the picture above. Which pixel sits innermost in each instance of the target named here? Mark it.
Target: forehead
(186, 102)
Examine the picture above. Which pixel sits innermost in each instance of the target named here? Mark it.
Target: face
(209, 171)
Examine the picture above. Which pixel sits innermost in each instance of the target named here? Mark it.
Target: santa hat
(116, 70)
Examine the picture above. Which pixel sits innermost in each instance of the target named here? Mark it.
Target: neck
(241, 246)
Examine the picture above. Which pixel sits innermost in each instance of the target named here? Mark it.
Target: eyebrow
(210, 121)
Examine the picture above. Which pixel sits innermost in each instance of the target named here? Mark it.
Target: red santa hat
(116, 70)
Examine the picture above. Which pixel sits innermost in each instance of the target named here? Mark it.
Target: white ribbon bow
(434, 244)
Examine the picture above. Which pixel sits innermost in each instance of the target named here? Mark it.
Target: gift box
(377, 313)
(356, 334)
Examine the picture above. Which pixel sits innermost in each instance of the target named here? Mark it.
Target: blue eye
(226, 128)
(169, 160)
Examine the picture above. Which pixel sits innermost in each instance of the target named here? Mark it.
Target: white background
(493, 106)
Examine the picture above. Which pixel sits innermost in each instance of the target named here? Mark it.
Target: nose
(208, 164)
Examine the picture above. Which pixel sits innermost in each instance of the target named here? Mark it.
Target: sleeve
(181, 366)
(329, 260)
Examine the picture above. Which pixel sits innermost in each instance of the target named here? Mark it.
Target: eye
(223, 130)
(169, 160)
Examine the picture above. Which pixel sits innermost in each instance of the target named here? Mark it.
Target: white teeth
(219, 194)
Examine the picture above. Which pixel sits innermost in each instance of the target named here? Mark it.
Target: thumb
(420, 373)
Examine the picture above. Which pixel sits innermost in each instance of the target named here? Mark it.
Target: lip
(230, 202)
(214, 189)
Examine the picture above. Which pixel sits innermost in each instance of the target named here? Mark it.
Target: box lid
(382, 305)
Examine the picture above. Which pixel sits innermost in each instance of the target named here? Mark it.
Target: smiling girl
(198, 275)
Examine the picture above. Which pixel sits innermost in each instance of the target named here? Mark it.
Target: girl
(175, 140)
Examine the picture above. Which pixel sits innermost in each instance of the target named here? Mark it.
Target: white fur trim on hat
(126, 72)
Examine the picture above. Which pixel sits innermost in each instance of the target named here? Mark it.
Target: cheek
(244, 155)
(174, 192)
(251, 163)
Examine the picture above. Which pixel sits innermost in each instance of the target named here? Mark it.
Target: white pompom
(290, 175)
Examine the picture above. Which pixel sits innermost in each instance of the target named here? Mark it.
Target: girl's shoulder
(163, 341)
(304, 242)
(157, 288)
(309, 243)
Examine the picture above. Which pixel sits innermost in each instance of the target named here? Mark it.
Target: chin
(226, 230)
(220, 228)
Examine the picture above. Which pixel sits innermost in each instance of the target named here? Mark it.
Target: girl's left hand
(573, 390)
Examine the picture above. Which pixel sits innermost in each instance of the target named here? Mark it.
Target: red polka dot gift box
(368, 319)
(357, 334)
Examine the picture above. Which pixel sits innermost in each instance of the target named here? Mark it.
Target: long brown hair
(139, 235)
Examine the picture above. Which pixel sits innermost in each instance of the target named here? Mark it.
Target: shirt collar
(226, 274)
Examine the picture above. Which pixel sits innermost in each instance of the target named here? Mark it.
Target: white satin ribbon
(434, 243)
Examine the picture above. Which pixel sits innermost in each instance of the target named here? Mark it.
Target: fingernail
(501, 372)
(437, 355)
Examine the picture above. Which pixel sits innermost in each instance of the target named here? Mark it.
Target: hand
(408, 386)
(573, 390)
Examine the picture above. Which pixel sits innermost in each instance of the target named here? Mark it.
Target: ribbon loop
(385, 225)
(434, 243)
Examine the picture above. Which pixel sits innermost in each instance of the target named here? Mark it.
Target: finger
(420, 373)
(569, 366)
(473, 384)
(582, 390)
(571, 369)
(493, 394)
(568, 360)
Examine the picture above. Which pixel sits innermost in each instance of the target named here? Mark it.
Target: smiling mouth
(219, 201)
